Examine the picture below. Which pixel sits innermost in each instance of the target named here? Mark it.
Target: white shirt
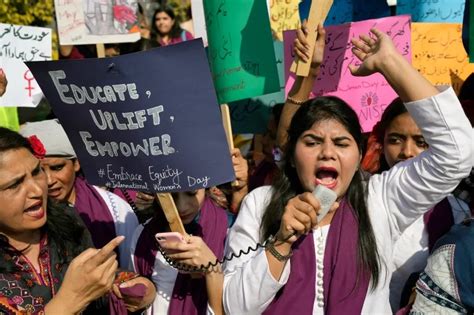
(125, 222)
(395, 199)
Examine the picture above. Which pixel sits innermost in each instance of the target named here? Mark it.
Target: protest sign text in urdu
(20, 44)
(234, 29)
(368, 96)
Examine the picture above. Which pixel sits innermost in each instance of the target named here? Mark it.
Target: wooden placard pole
(171, 212)
(317, 15)
(228, 131)
(100, 50)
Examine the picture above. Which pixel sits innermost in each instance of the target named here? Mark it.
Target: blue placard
(343, 11)
(147, 121)
(439, 11)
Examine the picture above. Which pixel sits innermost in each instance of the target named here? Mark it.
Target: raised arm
(412, 187)
(303, 86)
(380, 55)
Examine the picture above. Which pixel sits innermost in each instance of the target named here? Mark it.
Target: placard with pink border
(369, 96)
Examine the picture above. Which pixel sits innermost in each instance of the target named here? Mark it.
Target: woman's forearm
(300, 91)
(407, 82)
(215, 287)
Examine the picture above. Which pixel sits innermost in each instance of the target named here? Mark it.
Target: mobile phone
(169, 237)
(326, 198)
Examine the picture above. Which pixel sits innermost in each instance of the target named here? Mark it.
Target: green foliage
(180, 7)
(27, 12)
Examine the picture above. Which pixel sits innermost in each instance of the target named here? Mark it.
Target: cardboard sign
(240, 49)
(435, 11)
(199, 22)
(439, 55)
(19, 44)
(9, 118)
(82, 22)
(251, 115)
(369, 96)
(283, 16)
(147, 121)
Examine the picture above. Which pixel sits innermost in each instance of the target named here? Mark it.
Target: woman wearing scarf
(397, 138)
(182, 293)
(46, 265)
(342, 264)
(104, 214)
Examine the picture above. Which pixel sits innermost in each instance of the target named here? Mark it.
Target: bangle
(291, 100)
(272, 250)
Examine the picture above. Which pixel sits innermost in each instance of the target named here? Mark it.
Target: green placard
(9, 118)
(241, 52)
(251, 115)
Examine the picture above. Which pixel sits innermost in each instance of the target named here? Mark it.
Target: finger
(145, 196)
(304, 27)
(116, 291)
(109, 270)
(368, 41)
(301, 37)
(304, 219)
(295, 227)
(106, 251)
(86, 255)
(309, 198)
(108, 262)
(359, 44)
(364, 46)
(321, 34)
(334, 207)
(235, 152)
(109, 274)
(377, 32)
(176, 246)
(301, 51)
(354, 70)
(182, 255)
(359, 53)
(131, 282)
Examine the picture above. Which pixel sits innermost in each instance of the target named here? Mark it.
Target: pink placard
(369, 96)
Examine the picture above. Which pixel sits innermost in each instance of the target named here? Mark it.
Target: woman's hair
(10, 140)
(467, 89)
(287, 184)
(175, 31)
(394, 109)
(64, 230)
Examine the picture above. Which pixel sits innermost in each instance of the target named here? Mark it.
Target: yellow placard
(283, 16)
(438, 53)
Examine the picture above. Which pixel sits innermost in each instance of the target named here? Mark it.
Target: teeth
(327, 180)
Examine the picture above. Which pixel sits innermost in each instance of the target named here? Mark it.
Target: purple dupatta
(345, 286)
(94, 212)
(189, 294)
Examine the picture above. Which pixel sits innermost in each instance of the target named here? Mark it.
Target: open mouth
(327, 176)
(36, 210)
